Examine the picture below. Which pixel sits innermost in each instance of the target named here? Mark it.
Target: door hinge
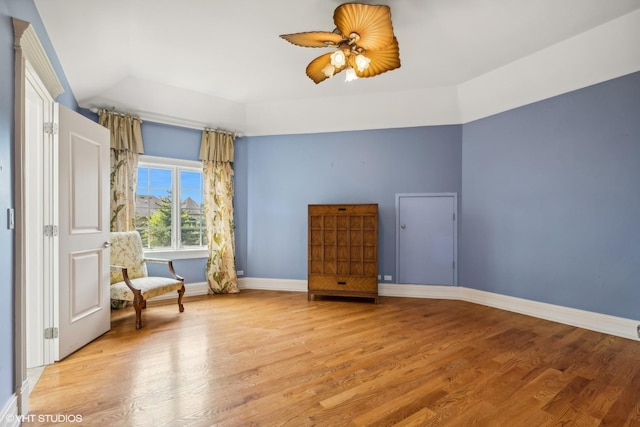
(454, 217)
(51, 128)
(453, 264)
(50, 333)
(50, 230)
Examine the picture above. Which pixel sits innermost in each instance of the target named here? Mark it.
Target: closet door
(426, 238)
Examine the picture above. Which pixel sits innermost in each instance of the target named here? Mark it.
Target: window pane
(159, 237)
(154, 206)
(192, 231)
(191, 180)
(143, 177)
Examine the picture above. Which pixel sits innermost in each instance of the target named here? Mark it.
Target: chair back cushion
(126, 250)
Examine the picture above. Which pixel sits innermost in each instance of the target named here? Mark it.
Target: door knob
(107, 244)
(403, 226)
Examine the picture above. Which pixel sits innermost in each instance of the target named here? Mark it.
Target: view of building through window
(166, 196)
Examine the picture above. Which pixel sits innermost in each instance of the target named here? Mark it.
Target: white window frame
(176, 165)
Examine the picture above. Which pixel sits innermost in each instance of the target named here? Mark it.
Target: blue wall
(551, 200)
(171, 141)
(25, 10)
(278, 176)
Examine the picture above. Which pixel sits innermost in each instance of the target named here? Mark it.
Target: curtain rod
(229, 132)
(175, 122)
(120, 113)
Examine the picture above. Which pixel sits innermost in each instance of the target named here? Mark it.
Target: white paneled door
(84, 300)
(426, 238)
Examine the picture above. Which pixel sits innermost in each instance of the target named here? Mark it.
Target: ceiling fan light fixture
(360, 29)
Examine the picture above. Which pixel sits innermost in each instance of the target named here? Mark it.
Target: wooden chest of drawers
(343, 250)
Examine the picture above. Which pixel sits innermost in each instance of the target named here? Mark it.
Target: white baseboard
(607, 324)
(23, 398)
(612, 325)
(273, 284)
(420, 291)
(9, 413)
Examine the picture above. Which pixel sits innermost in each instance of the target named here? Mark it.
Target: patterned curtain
(216, 152)
(126, 144)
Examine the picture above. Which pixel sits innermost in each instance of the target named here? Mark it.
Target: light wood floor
(273, 358)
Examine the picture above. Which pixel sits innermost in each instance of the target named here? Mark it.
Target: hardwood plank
(626, 409)
(275, 358)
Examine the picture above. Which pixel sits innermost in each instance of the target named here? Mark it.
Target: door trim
(455, 229)
(28, 52)
(40, 210)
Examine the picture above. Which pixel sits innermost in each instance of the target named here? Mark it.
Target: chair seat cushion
(149, 286)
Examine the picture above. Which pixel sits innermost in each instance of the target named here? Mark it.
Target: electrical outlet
(387, 277)
(240, 273)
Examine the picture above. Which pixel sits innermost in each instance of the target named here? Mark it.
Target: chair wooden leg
(138, 303)
(180, 295)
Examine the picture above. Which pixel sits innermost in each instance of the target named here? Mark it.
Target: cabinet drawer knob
(342, 283)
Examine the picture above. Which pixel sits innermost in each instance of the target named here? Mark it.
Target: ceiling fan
(364, 42)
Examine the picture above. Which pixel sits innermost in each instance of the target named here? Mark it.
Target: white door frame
(29, 53)
(455, 229)
(40, 199)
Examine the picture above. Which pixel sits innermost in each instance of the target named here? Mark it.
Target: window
(169, 204)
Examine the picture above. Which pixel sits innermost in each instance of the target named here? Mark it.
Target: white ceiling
(215, 59)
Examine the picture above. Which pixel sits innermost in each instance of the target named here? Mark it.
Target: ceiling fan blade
(315, 69)
(371, 23)
(314, 39)
(381, 60)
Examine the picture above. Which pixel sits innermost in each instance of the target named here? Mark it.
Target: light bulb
(362, 62)
(338, 59)
(329, 70)
(351, 75)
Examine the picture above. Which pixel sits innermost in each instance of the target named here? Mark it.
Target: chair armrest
(157, 260)
(125, 277)
(169, 264)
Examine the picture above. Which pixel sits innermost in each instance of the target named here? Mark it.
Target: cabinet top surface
(343, 204)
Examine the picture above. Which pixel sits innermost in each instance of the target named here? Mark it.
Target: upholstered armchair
(129, 277)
